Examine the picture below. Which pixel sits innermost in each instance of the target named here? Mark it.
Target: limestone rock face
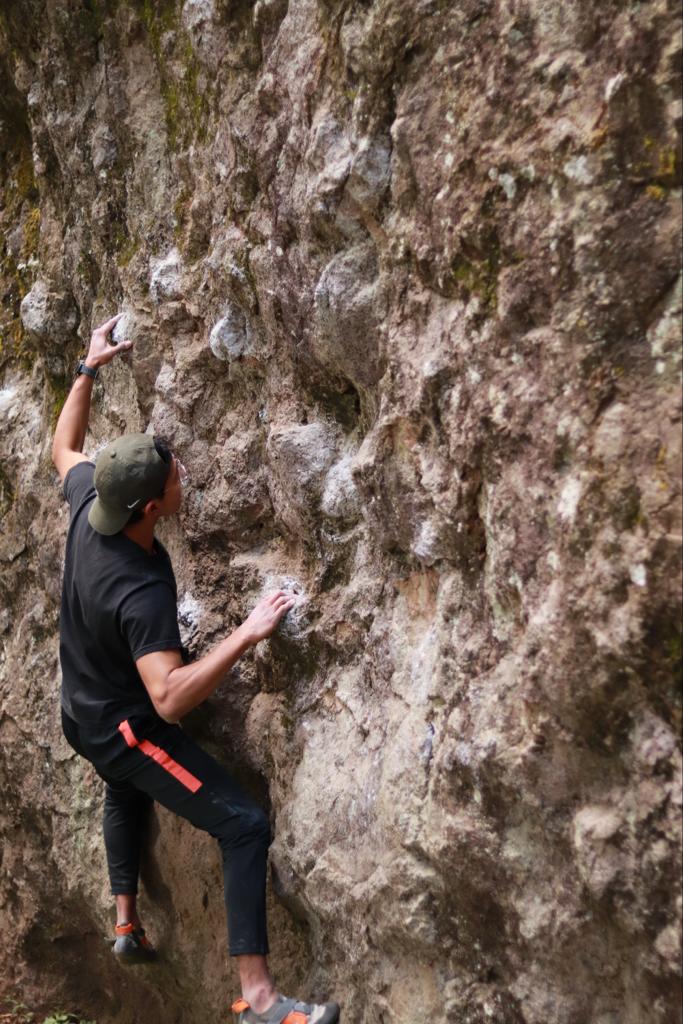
(403, 282)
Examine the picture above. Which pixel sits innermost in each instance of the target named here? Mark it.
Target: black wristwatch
(87, 370)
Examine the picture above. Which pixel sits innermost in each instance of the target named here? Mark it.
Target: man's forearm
(189, 685)
(73, 419)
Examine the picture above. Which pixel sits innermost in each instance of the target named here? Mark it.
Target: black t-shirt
(118, 603)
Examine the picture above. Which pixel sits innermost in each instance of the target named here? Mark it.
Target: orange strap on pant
(161, 757)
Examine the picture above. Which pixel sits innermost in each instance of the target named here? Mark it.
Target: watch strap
(89, 371)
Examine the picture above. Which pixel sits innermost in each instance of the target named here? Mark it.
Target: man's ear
(151, 508)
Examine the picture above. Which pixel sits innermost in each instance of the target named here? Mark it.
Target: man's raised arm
(67, 446)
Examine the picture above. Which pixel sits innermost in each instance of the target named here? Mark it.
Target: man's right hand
(264, 618)
(175, 689)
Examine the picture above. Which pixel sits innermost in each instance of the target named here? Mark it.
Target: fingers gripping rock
(294, 623)
(124, 329)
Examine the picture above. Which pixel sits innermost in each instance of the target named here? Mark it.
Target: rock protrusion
(340, 498)
(49, 317)
(230, 338)
(299, 456)
(349, 307)
(165, 280)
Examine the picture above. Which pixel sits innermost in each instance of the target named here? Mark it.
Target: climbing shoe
(286, 1011)
(132, 945)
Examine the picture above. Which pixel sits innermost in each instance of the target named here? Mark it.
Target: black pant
(145, 759)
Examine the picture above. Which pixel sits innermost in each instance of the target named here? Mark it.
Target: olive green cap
(129, 472)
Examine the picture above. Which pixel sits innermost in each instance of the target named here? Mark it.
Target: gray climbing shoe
(287, 1011)
(132, 945)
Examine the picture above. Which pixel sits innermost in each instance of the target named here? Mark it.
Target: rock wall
(403, 281)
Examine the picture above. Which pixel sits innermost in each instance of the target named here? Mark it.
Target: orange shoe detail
(124, 929)
(296, 1017)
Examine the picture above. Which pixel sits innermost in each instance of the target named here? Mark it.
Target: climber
(125, 686)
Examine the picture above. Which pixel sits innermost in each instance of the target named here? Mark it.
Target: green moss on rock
(478, 277)
(7, 493)
(31, 233)
(60, 391)
(186, 107)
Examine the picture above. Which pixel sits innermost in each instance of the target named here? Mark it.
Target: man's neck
(142, 533)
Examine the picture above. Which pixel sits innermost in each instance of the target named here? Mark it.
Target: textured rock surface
(442, 244)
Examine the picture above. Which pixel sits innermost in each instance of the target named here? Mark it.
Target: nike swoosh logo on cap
(134, 503)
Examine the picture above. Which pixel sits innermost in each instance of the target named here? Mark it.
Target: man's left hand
(101, 351)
